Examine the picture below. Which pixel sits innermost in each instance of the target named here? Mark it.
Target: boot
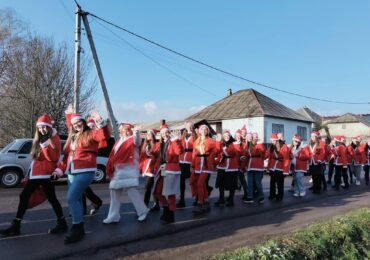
(230, 202)
(13, 230)
(155, 207)
(181, 203)
(165, 213)
(60, 228)
(95, 208)
(76, 233)
(169, 217)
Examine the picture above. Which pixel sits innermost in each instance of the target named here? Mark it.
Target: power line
(157, 62)
(221, 70)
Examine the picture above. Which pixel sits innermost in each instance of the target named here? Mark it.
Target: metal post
(100, 75)
(76, 82)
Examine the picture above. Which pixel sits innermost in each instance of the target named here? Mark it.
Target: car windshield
(6, 148)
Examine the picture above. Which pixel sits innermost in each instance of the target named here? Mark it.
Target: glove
(44, 138)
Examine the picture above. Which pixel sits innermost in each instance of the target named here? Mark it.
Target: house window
(277, 128)
(302, 132)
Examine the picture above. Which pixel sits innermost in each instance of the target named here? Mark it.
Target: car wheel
(10, 178)
(100, 174)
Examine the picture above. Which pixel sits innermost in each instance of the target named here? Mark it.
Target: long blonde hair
(82, 139)
(35, 150)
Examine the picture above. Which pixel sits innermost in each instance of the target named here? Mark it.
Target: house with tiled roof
(258, 112)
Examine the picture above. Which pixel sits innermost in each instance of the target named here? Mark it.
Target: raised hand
(69, 109)
(137, 128)
(96, 116)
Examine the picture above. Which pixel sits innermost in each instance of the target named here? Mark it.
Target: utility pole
(100, 75)
(76, 82)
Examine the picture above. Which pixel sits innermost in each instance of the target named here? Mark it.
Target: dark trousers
(222, 194)
(185, 174)
(148, 189)
(277, 181)
(89, 194)
(331, 170)
(323, 180)
(366, 169)
(49, 190)
(243, 182)
(339, 173)
(316, 171)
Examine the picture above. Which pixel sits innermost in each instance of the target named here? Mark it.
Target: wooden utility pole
(100, 75)
(76, 82)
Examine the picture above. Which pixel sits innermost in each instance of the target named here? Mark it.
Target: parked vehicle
(15, 160)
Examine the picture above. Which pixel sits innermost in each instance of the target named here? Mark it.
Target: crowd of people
(238, 159)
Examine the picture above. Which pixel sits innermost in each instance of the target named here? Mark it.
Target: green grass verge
(345, 237)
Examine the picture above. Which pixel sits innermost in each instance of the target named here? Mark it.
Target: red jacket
(228, 157)
(358, 154)
(203, 160)
(302, 158)
(317, 153)
(173, 155)
(255, 157)
(187, 144)
(83, 157)
(148, 163)
(340, 155)
(46, 162)
(328, 153)
(279, 161)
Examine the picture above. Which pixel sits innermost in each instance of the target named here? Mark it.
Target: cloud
(148, 112)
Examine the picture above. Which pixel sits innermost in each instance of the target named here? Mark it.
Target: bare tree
(37, 79)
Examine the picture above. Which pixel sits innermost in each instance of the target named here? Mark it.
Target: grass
(344, 237)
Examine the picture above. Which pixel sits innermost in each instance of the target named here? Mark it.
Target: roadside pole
(76, 82)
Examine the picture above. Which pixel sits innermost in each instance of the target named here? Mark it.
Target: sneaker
(249, 200)
(302, 194)
(110, 221)
(261, 200)
(95, 208)
(296, 194)
(358, 183)
(143, 216)
(155, 207)
(310, 181)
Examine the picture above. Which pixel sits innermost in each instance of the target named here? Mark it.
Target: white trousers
(115, 202)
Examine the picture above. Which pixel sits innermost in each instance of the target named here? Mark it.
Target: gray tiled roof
(247, 103)
(349, 118)
(305, 111)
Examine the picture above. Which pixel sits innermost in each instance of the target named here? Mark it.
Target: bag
(37, 197)
(162, 168)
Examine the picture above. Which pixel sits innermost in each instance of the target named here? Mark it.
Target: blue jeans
(298, 182)
(77, 184)
(255, 178)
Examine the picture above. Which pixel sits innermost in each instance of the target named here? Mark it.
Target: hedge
(344, 237)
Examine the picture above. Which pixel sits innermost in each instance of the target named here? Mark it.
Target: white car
(15, 160)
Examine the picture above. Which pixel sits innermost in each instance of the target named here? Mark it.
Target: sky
(315, 48)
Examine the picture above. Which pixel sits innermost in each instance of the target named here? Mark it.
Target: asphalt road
(188, 238)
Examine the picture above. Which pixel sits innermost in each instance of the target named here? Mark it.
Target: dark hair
(35, 150)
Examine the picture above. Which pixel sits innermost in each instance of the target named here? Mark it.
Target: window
(26, 148)
(277, 128)
(302, 132)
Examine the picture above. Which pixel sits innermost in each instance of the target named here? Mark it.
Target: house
(258, 112)
(349, 125)
(316, 118)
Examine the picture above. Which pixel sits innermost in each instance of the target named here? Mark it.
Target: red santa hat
(342, 138)
(90, 122)
(255, 135)
(164, 128)
(274, 137)
(75, 117)
(315, 133)
(244, 128)
(238, 132)
(227, 132)
(357, 139)
(127, 125)
(337, 138)
(297, 138)
(45, 120)
(202, 127)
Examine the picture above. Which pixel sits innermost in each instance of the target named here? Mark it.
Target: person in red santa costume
(188, 137)
(149, 164)
(203, 163)
(340, 162)
(123, 170)
(96, 202)
(300, 157)
(227, 168)
(278, 165)
(317, 149)
(357, 150)
(46, 150)
(167, 183)
(79, 162)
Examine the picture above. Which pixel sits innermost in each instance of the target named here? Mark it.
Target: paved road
(220, 229)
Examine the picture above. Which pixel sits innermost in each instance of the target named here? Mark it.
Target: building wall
(349, 130)
(290, 128)
(263, 126)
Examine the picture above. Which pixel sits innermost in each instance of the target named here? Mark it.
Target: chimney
(229, 92)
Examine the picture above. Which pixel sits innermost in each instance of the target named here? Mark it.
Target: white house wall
(253, 124)
(349, 130)
(290, 128)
